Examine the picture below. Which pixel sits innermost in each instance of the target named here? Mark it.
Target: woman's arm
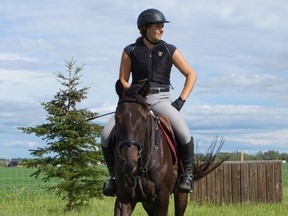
(184, 67)
(125, 69)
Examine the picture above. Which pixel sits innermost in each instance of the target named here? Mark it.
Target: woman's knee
(106, 131)
(184, 138)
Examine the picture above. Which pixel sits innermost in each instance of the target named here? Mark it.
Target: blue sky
(239, 49)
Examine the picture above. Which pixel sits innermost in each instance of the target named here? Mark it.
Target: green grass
(37, 204)
(25, 196)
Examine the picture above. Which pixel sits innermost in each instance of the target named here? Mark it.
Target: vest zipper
(150, 75)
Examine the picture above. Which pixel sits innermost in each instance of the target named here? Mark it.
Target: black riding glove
(178, 103)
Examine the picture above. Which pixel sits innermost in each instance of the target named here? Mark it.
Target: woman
(151, 58)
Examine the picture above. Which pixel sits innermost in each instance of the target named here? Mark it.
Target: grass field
(22, 195)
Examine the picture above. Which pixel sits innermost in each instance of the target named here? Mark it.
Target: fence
(240, 182)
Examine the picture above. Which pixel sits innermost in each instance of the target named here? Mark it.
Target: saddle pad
(165, 126)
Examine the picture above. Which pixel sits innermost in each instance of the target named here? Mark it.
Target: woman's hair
(144, 28)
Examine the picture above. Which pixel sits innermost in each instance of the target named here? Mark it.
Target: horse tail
(207, 163)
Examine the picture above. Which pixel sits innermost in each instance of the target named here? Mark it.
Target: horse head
(130, 124)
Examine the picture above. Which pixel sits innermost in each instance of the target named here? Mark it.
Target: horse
(146, 165)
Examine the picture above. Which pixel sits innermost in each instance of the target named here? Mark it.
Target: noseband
(129, 143)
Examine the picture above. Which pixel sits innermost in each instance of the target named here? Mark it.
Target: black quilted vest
(150, 64)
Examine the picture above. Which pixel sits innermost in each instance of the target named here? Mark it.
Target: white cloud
(19, 144)
(249, 128)
(15, 57)
(270, 138)
(236, 117)
(26, 85)
(245, 80)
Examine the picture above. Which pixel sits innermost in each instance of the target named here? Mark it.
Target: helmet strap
(150, 41)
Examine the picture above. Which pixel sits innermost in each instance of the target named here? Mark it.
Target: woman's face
(155, 31)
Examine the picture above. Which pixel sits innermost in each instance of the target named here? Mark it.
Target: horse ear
(119, 88)
(144, 91)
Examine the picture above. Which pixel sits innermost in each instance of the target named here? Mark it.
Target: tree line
(235, 156)
(266, 155)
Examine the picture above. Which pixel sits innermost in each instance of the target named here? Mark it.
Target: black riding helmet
(150, 16)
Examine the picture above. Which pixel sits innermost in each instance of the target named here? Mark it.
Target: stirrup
(110, 187)
(185, 183)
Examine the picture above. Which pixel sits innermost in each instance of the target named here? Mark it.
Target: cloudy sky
(239, 49)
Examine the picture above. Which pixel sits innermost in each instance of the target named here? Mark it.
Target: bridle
(145, 156)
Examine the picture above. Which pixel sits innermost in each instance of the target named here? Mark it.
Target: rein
(99, 116)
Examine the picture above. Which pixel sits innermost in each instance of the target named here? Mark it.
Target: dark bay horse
(145, 166)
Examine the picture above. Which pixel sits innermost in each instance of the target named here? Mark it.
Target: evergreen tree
(71, 152)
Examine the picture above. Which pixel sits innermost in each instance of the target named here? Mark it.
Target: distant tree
(225, 156)
(272, 155)
(260, 156)
(71, 152)
(284, 156)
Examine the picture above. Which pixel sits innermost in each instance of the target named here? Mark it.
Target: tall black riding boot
(185, 181)
(109, 187)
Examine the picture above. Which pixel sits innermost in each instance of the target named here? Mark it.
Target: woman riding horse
(151, 59)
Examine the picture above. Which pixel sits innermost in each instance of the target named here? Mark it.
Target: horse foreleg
(180, 202)
(123, 209)
(159, 207)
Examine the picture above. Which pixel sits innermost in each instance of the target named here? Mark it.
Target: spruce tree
(71, 152)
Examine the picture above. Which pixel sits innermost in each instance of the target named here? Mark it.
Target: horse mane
(133, 93)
